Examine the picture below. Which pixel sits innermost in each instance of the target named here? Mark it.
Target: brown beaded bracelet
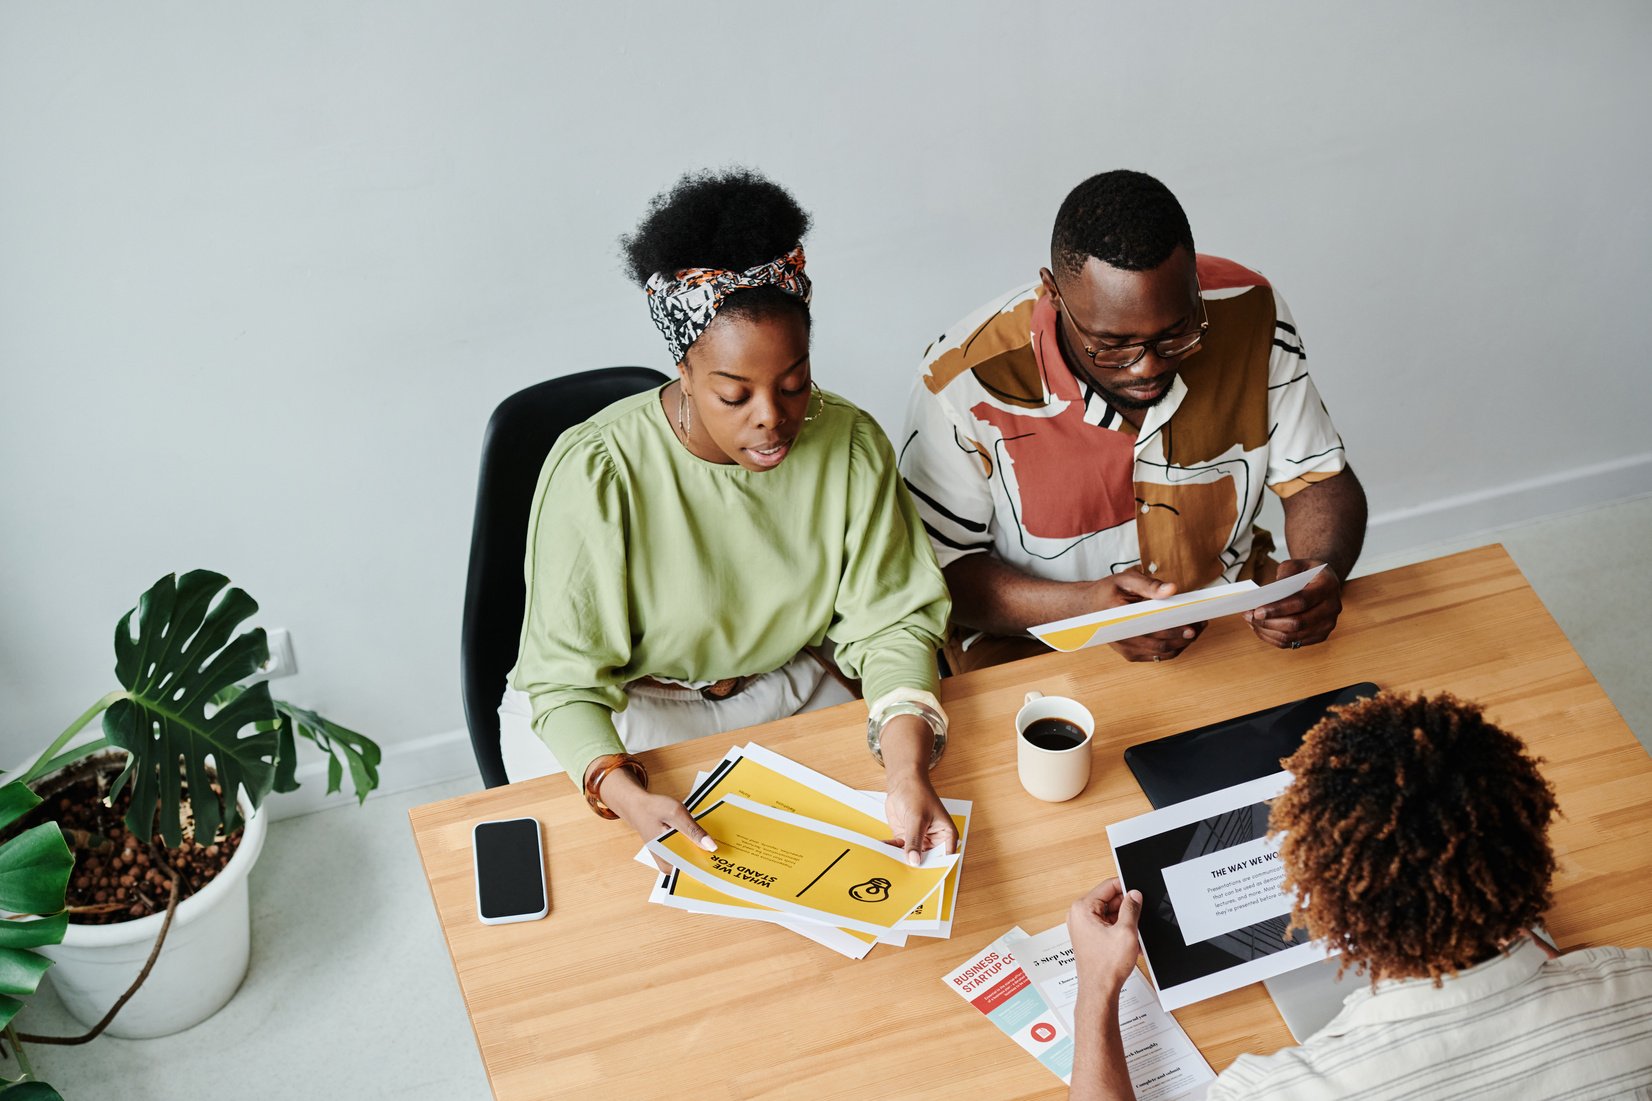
(599, 769)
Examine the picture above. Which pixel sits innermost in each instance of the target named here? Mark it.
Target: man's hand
(1160, 645)
(1305, 618)
(1102, 925)
(650, 814)
(1132, 586)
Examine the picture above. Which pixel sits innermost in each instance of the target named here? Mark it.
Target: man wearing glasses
(1103, 436)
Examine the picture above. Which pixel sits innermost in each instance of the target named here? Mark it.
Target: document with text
(1164, 1065)
(765, 777)
(1027, 987)
(803, 867)
(1214, 909)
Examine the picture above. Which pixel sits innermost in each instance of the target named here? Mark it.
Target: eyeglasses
(1116, 357)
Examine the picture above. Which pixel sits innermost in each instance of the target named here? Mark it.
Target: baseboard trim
(1487, 510)
(433, 759)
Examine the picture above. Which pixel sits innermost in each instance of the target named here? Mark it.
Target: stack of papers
(798, 849)
(1027, 986)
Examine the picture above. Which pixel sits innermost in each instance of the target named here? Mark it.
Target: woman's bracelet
(933, 715)
(598, 770)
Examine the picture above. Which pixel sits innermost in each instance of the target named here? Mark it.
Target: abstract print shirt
(1007, 451)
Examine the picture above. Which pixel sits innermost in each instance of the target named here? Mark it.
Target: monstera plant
(182, 736)
(34, 875)
(181, 705)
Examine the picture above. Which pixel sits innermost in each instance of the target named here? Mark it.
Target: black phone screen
(510, 878)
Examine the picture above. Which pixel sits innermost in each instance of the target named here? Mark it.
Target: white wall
(266, 268)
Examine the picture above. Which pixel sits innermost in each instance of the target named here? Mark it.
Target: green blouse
(646, 560)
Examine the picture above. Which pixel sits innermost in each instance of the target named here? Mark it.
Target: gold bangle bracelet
(598, 771)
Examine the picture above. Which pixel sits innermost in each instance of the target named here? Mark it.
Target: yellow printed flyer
(1146, 616)
(803, 867)
(766, 777)
(924, 920)
(680, 892)
(773, 784)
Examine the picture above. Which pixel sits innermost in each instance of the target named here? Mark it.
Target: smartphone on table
(510, 871)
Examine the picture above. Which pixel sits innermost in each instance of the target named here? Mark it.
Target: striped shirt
(1007, 451)
(1574, 1028)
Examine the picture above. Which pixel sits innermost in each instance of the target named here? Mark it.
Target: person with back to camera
(693, 549)
(1102, 436)
(1415, 842)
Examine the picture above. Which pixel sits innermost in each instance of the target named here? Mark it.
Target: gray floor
(350, 992)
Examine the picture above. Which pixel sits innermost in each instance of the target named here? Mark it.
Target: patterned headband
(684, 304)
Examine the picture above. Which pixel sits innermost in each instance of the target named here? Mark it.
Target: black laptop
(1197, 762)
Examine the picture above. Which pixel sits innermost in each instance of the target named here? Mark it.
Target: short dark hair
(1416, 835)
(1125, 219)
(733, 219)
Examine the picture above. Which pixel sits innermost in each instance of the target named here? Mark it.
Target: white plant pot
(199, 969)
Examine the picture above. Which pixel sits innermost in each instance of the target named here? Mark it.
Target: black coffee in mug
(1054, 734)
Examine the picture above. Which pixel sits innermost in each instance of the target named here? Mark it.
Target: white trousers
(660, 716)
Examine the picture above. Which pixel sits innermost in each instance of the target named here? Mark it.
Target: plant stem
(69, 757)
(17, 1050)
(154, 954)
(49, 758)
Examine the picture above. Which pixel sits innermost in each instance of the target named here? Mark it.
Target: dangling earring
(819, 402)
(685, 414)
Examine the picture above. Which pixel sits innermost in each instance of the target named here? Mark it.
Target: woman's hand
(648, 813)
(1102, 925)
(916, 814)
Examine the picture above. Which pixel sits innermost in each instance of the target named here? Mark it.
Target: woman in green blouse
(692, 548)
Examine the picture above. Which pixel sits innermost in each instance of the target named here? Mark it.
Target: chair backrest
(519, 436)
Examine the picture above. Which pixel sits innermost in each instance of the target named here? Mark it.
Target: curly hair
(1125, 219)
(1415, 835)
(733, 219)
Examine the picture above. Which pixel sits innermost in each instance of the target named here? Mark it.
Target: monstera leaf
(34, 876)
(359, 752)
(182, 654)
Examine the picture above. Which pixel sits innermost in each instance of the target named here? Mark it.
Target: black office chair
(519, 436)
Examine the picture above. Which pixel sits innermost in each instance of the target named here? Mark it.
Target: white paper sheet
(1164, 1065)
(1147, 616)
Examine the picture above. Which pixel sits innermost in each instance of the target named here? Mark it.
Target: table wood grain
(610, 996)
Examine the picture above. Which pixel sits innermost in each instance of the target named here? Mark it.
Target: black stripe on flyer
(823, 871)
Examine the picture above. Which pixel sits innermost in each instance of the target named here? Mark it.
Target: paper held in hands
(1215, 915)
(1028, 986)
(1147, 616)
(771, 780)
(803, 867)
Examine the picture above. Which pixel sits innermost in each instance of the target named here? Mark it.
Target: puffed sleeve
(576, 628)
(892, 603)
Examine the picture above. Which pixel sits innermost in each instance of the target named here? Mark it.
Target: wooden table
(612, 997)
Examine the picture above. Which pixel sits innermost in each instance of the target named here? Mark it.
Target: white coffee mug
(1053, 775)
